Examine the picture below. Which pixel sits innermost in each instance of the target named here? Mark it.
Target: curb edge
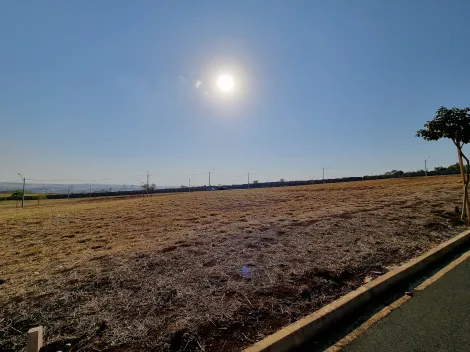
(311, 325)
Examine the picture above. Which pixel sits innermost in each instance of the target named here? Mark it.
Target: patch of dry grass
(213, 270)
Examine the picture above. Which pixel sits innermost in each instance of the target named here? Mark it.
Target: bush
(18, 193)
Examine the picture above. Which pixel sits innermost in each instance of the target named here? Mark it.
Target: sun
(225, 83)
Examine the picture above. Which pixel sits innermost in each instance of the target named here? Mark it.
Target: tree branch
(463, 156)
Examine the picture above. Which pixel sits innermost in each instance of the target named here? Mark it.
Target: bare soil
(211, 270)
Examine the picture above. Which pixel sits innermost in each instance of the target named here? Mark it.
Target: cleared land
(210, 270)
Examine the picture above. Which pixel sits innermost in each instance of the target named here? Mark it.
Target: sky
(110, 90)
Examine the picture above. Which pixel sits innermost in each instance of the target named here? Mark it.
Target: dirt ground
(212, 271)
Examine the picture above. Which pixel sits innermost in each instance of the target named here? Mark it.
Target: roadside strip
(305, 329)
(388, 309)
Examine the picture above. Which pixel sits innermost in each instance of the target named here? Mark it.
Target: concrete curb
(306, 328)
(394, 305)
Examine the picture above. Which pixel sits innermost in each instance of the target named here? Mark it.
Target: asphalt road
(436, 319)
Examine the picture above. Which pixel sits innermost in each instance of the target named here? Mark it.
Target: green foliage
(148, 188)
(455, 168)
(394, 173)
(39, 197)
(18, 193)
(439, 170)
(448, 123)
(453, 124)
(399, 173)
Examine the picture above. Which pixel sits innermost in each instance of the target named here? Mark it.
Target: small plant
(39, 197)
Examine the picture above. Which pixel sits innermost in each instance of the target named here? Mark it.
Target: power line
(140, 176)
(135, 176)
(178, 175)
(98, 179)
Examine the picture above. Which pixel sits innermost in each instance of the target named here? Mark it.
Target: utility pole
(147, 183)
(210, 179)
(323, 175)
(24, 181)
(425, 166)
(142, 189)
(189, 178)
(248, 180)
(90, 191)
(22, 199)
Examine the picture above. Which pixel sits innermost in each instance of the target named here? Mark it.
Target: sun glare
(225, 83)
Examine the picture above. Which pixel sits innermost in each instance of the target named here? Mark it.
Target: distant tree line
(439, 170)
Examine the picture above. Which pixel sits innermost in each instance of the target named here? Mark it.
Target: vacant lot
(210, 270)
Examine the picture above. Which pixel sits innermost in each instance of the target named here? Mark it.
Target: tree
(149, 188)
(454, 168)
(39, 197)
(18, 194)
(282, 180)
(394, 173)
(453, 124)
(255, 182)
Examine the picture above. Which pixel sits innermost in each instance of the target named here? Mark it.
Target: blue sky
(105, 89)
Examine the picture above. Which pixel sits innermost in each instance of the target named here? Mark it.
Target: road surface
(435, 319)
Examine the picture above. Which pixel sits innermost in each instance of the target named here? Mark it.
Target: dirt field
(209, 270)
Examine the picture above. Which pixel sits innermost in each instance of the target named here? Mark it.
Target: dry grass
(213, 270)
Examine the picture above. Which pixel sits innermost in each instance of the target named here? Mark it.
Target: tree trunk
(466, 186)
(465, 179)
(466, 191)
